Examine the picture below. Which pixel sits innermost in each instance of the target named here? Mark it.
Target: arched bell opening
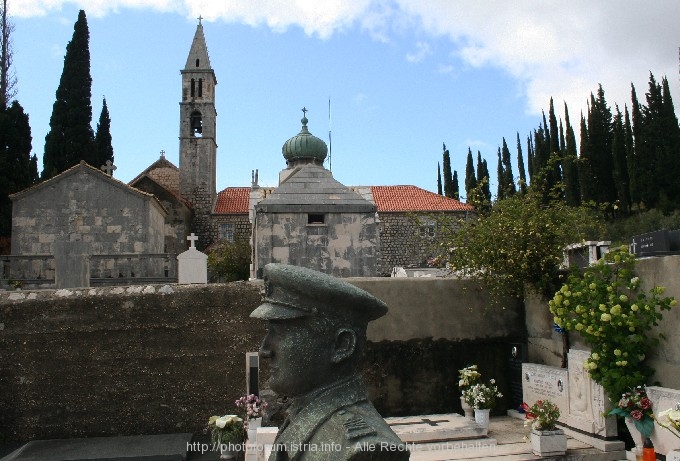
(196, 124)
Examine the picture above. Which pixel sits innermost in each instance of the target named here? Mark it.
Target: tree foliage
(102, 138)
(8, 80)
(230, 261)
(71, 138)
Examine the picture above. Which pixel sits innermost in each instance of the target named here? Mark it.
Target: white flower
(222, 421)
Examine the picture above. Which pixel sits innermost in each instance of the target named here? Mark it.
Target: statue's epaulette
(355, 426)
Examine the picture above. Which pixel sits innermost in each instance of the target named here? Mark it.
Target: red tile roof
(233, 200)
(412, 198)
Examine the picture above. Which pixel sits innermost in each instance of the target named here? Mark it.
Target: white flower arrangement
(225, 429)
(482, 396)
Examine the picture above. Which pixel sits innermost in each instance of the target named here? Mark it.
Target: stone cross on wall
(192, 238)
(108, 168)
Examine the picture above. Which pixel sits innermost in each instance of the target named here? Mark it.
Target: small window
(315, 219)
(196, 124)
(226, 232)
(200, 87)
(427, 230)
(193, 87)
(197, 62)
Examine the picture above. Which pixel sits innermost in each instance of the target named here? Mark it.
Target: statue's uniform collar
(311, 411)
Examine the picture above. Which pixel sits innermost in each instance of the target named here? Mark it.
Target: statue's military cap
(294, 292)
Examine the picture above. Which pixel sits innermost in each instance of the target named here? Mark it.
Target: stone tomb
(662, 399)
(193, 265)
(582, 402)
(435, 428)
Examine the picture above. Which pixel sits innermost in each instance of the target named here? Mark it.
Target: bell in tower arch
(196, 124)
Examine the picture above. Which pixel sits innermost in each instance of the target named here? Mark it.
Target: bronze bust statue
(315, 338)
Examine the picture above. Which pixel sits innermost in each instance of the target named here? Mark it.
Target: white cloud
(423, 50)
(553, 48)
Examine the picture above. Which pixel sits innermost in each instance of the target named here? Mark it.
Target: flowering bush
(670, 419)
(252, 407)
(468, 376)
(225, 429)
(482, 396)
(606, 305)
(635, 405)
(542, 415)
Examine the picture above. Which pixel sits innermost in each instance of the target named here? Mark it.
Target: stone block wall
(239, 221)
(407, 240)
(160, 359)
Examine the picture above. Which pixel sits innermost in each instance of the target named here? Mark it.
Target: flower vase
(548, 443)
(253, 424)
(482, 417)
(467, 409)
(634, 433)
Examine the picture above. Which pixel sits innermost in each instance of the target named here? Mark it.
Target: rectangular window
(427, 230)
(226, 232)
(315, 219)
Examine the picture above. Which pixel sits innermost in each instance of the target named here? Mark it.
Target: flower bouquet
(482, 396)
(542, 415)
(670, 419)
(252, 407)
(227, 429)
(635, 405)
(468, 376)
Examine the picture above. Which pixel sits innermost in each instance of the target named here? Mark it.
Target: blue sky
(403, 76)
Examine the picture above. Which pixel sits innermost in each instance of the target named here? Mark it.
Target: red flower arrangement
(636, 405)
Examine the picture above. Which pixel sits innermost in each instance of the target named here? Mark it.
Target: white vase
(482, 417)
(548, 443)
(634, 433)
(467, 409)
(253, 424)
(226, 452)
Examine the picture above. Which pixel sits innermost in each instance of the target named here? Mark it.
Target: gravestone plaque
(252, 373)
(516, 357)
(658, 243)
(542, 382)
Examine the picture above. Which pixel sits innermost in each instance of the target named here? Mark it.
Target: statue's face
(300, 358)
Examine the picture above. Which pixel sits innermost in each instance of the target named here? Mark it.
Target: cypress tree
(439, 179)
(454, 182)
(585, 176)
(572, 194)
(630, 159)
(530, 158)
(500, 191)
(102, 138)
(600, 133)
(520, 167)
(634, 171)
(71, 138)
(8, 78)
(486, 185)
(470, 179)
(508, 178)
(620, 163)
(448, 175)
(18, 169)
(670, 146)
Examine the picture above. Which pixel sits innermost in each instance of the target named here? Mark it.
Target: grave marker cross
(108, 168)
(192, 238)
(423, 421)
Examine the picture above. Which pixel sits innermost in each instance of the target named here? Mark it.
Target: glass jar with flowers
(468, 377)
(482, 397)
(252, 407)
(226, 433)
(670, 420)
(636, 408)
(546, 438)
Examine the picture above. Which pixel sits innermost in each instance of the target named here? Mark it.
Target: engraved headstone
(664, 398)
(542, 382)
(658, 243)
(516, 357)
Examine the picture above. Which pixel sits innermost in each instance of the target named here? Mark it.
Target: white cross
(108, 168)
(192, 238)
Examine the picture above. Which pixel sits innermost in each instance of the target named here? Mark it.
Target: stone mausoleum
(309, 219)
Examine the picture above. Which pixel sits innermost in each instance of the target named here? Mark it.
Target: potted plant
(636, 408)
(252, 407)
(482, 397)
(546, 438)
(468, 376)
(226, 432)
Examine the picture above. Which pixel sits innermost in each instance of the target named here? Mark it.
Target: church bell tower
(197, 144)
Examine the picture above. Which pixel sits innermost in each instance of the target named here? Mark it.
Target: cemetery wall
(545, 346)
(159, 359)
